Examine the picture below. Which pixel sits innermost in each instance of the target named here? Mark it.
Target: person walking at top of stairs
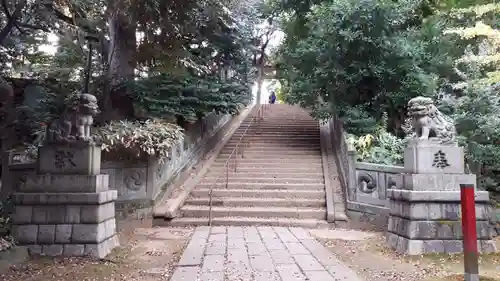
(272, 98)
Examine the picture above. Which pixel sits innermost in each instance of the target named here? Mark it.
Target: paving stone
(251, 235)
(239, 260)
(235, 232)
(322, 275)
(218, 230)
(296, 249)
(201, 232)
(267, 232)
(281, 257)
(262, 263)
(239, 272)
(185, 274)
(290, 272)
(267, 276)
(285, 235)
(213, 263)
(274, 244)
(236, 243)
(307, 262)
(301, 233)
(323, 255)
(211, 276)
(237, 257)
(255, 249)
(216, 248)
(193, 254)
(217, 237)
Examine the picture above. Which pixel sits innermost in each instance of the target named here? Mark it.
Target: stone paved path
(258, 254)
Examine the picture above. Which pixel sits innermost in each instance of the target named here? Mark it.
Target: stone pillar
(425, 216)
(67, 207)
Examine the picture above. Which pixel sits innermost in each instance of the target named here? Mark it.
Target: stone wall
(141, 183)
(370, 186)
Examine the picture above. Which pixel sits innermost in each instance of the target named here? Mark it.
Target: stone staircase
(279, 180)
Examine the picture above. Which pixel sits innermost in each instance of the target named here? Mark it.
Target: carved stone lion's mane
(429, 123)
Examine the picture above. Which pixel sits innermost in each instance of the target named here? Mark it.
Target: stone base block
(20, 198)
(435, 230)
(418, 247)
(63, 208)
(437, 182)
(73, 158)
(431, 158)
(98, 250)
(433, 196)
(66, 183)
(46, 234)
(431, 210)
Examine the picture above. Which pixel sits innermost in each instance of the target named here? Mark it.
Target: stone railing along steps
(279, 181)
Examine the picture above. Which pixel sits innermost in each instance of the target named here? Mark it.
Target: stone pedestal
(425, 216)
(67, 208)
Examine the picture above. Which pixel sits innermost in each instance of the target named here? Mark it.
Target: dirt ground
(374, 261)
(145, 254)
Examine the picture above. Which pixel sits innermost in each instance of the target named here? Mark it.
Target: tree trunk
(121, 65)
(260, 81)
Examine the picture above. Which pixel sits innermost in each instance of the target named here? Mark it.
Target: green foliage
(125, 140)
(189, 96)
(381, 147)
(478, 126)
(6, 240)
(361, 58)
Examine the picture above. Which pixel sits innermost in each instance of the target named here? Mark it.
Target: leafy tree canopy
(361, 58)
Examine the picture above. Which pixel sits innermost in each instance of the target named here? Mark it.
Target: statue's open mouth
(418, 110)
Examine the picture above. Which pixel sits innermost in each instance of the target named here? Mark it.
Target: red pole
(469, 232)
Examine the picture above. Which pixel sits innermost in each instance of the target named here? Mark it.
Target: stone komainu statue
(429, 124)
(76, 121)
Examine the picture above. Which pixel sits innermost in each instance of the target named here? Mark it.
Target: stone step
(262, 212)
(266, 174)
(257, 202)
(253, 151)
(276, 134)
(271, 169)
(276, 161)
(259, 193)
(245, 221)
(285, 157)
(281, 122)
(277, 131)
(275, 147)
(283, 186)
(277, 137)
(271, 143)
(265, 180)
(266, 164)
